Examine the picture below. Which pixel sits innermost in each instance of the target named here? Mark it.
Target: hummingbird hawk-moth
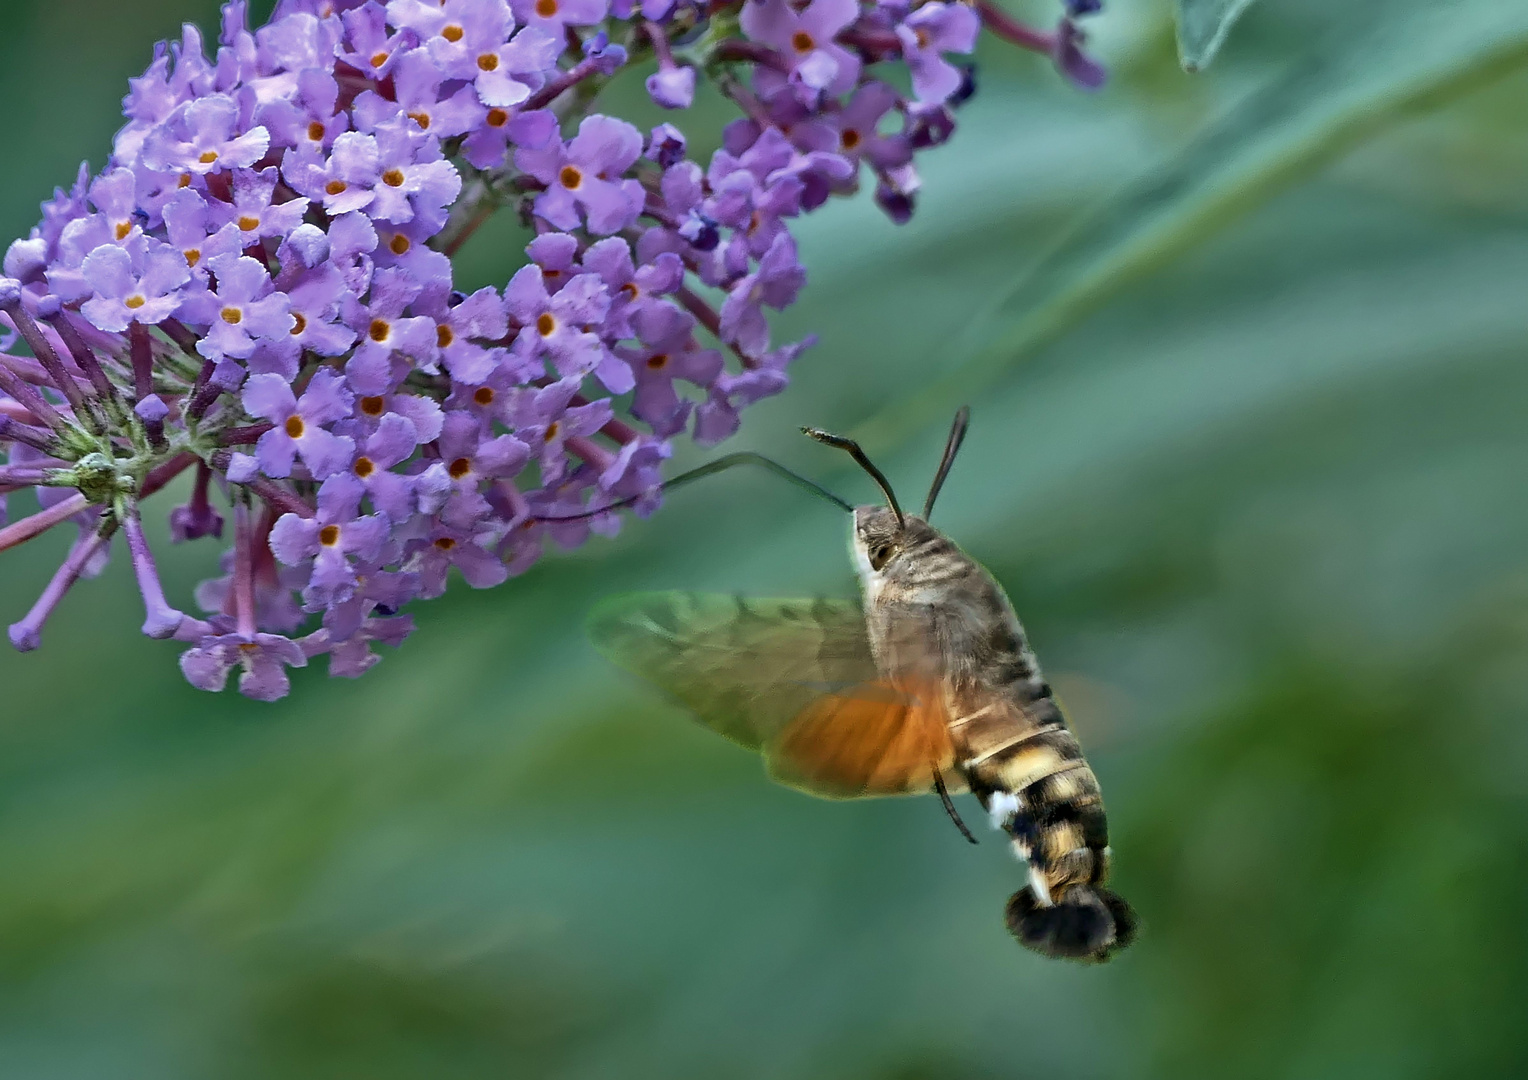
(928, 686)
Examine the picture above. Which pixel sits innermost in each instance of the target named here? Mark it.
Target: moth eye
(881, 554)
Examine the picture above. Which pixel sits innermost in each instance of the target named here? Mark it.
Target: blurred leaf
(1377, 62)
(1202, 29)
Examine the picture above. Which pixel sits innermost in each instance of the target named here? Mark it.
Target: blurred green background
(1248, 451)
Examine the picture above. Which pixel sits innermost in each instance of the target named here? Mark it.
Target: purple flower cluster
(258, 289)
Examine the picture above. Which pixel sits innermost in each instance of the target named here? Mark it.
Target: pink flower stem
(15, 412)
(554, 89)
(160, 619)
(36, 438)
(26, 368)
(162, 474)
(875, 44)
(660, 43)
(177, 332)
(241, 436)
(479, 217)
(590, 451)
(1005, 26)
(60, 376)
(26, 635)
(29, 399)
(21, 531)
(751, 52)
(243, 591)
(84, 356)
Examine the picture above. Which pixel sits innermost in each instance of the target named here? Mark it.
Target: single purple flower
(353, 657)
(545, 421)
(656, 366)
(459, 326)
(372, 49)
(243, 308)
(300, 425)
(478, 49)
(343, 180)
(558, 325)
(935, 28)
(252, 210)
(415, 177)
(202, 136)
(672, 86)
(264, 659)
(333, 541)
(582, 176)
(805, 37)
(553, 17)
(1076, 65)
(385, 332)
(137, 283)
(392, 441)
(775, 283)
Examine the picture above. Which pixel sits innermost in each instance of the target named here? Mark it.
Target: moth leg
(949, 807)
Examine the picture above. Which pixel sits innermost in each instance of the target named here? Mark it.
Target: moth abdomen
(1028, 769)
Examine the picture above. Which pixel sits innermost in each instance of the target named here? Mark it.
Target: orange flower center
(658, 361)
(208, 157)
(459, 468)
(294, 426)
(631, 290)
(364, 467)
(379, 59)
(315, 132)
(545, 324)
(299, 323)
(122, 229)
(802, 42)
(393, 178)
(849, 138)
(483, 395)
(570, 177)
(451, 32)
(232, 316)
(372, 405)
(329, 535)
(399, 245)
(445, 543)
(379, 331)
(497, 118)
(421, 118)
(135, 301)
(488, 62)
(193, 256)
(546, 8)
(551, 432)
(249, 224)
(444, 335)
(335, 187)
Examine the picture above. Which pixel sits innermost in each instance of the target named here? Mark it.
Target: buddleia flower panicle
(257, 290)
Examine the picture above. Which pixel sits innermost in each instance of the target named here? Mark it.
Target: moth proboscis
(927, 686)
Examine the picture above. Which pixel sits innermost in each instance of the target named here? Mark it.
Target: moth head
(878, 538)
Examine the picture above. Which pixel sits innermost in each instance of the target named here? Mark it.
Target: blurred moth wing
(791, 679)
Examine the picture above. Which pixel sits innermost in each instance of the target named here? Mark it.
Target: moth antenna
(727, 461)
(949, 807)
(951, 448)
(865, 463)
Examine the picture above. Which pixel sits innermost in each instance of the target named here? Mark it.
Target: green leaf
(1378, 64)
(1202, 29)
